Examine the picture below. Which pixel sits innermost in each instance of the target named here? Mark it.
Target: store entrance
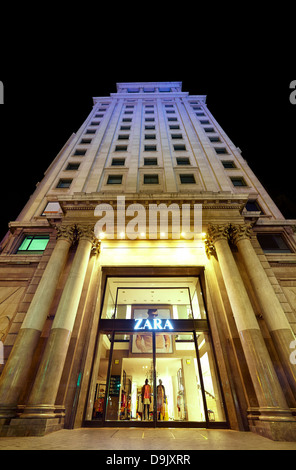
(154, 364)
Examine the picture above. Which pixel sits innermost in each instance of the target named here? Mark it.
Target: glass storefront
(164, 372)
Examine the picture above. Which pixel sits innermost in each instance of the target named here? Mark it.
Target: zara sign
(155, 324)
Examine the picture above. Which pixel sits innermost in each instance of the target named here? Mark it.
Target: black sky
(48, 94)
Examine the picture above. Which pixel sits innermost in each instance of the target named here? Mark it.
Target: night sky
(47, 97)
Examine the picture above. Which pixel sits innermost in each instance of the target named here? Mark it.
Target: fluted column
(17, 368)
(42, 398)
(271, 308)
(272, 403)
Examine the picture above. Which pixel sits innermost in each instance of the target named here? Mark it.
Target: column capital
(85, 232)
(218, 232)
(240, 232)
(65, 232)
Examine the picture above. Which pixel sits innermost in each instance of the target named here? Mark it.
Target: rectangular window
(150, 148)
(150, 136)
(150, 161)
(253, 206)
(228, 164)
(72, 166)
(176, 136)
(121, 148)
(179, 147)
(273, 243)
(125, 128)
(183, 161)
(80, 152)
(209, 129)
(118, 161)
(64, 183)
(33, 243)
(114, 179)
(238, 181)
(220, 150)
(215, 139)
(85, 141)
(123, 137)
(150, 179)
(187, 179)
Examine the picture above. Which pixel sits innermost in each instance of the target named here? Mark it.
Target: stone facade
(153, 144)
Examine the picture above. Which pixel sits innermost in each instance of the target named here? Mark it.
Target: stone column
(41, 402)
(17, 368)
(271, 308)
(275, 420)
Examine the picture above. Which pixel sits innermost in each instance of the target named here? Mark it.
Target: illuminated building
(149, 217)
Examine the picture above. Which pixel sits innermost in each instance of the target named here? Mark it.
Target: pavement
(128, 439)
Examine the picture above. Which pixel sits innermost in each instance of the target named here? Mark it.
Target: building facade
(150, 280)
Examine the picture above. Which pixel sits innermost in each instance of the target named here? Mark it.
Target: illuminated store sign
(155, 324)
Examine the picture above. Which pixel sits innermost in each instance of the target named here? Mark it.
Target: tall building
(150, 280)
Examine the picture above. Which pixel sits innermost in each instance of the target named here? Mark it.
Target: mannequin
(161, 397)
(146, 399)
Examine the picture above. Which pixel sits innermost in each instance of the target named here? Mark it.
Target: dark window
(179, 147)
(72, 166)
(187, 179)
(253, 206)
(238, 181)
(150, 161)
(123, 137)
(220, 150)
(273, 243)
(183, 161)
(80, 152)
(215, 139)
(121, 148)
(114, 179)
(209, 129)
(150, 136)
(118, 161)
(150, 179)
(228, 164)
(64, 183)
(150, 148)
(176, 136)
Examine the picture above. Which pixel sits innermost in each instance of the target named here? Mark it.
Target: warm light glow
(102, 235)
(121, 234)
(203, 235)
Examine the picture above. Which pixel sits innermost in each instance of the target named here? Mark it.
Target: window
(215, 139)
(33, 243)
(253, 206)
(118, 161)
(114, 179)
(125, 128)
(150, 161)
(176, 136)
(238, 181)
(179, 147)
(273, 243)
(64, 183)
(204, 121)
(220, 150)
(121, 148)
(90, 131)
(150, 148)
(126, 120)
(150, 179)
(209, 129)
(172, 119)
(150, 136)
(72, 166)
(123, 137)
(174, 126)
(80, 152)
(85, 141)
(187, 179)
(150, 128)
(149, 120)
(228, 164)
(164, 90)
(183, 161)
